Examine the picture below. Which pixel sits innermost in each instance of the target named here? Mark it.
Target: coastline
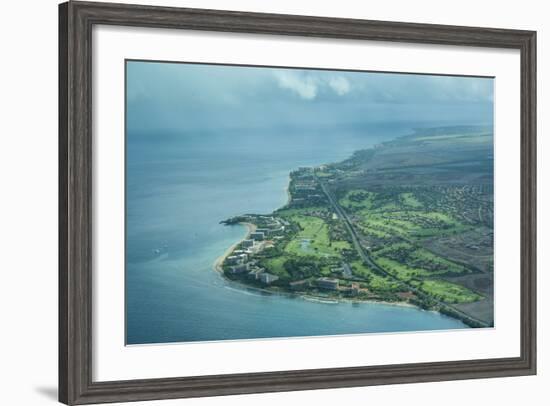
(321, 299)
(337, 300)
(308, 297)
(219, 261)
(251, 228)
(317, 298)
(288, 195)
(303, 296)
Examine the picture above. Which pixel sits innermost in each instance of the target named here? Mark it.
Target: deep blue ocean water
(178, 188)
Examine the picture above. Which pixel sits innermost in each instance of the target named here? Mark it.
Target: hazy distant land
(408, 222)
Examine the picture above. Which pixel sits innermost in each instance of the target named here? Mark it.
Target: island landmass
(408, 222)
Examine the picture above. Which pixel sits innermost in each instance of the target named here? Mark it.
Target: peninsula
(409, 221)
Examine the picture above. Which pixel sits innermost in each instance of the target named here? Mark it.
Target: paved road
(363, 253)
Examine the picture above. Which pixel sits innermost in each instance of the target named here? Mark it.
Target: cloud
(340, 85)
(307, 85)
(198, 97)
(303, 85)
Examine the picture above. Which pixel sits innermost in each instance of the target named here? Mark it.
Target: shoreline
(337, 300)
(303, 296)
(465, 319)
(321, 299)
(287, 190)
(219, 261)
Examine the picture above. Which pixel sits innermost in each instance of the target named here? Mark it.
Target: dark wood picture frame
(76, 20)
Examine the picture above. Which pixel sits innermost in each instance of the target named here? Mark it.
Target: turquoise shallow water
(178, 188)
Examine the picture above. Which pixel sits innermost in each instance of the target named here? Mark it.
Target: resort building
(239, 269)
(257, 236)
(328, 283)
(268, 278)
(248, 243)
(242, 257)
(232, 260)
(337, 270)
(299, 285)
(254, 274)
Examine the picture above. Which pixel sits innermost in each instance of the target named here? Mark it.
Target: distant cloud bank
(201, 96)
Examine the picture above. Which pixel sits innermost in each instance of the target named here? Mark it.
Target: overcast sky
(187, 97)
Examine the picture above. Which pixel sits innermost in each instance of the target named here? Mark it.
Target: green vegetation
(395, 223)
(400, 270)
(448, 292)
(410, 261)
(313, 239)
(289, 212)
(357, 199)
(276, 266)
(408, 199)
(409, 224)
(375, 281)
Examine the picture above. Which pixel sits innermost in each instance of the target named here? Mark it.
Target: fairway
(313, 239)
(449, 292)
(376, 282)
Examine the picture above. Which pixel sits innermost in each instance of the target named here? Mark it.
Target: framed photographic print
(258, 202)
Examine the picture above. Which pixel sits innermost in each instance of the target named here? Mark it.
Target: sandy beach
(218, 263)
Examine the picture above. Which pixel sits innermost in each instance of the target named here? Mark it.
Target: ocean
(180, 185)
